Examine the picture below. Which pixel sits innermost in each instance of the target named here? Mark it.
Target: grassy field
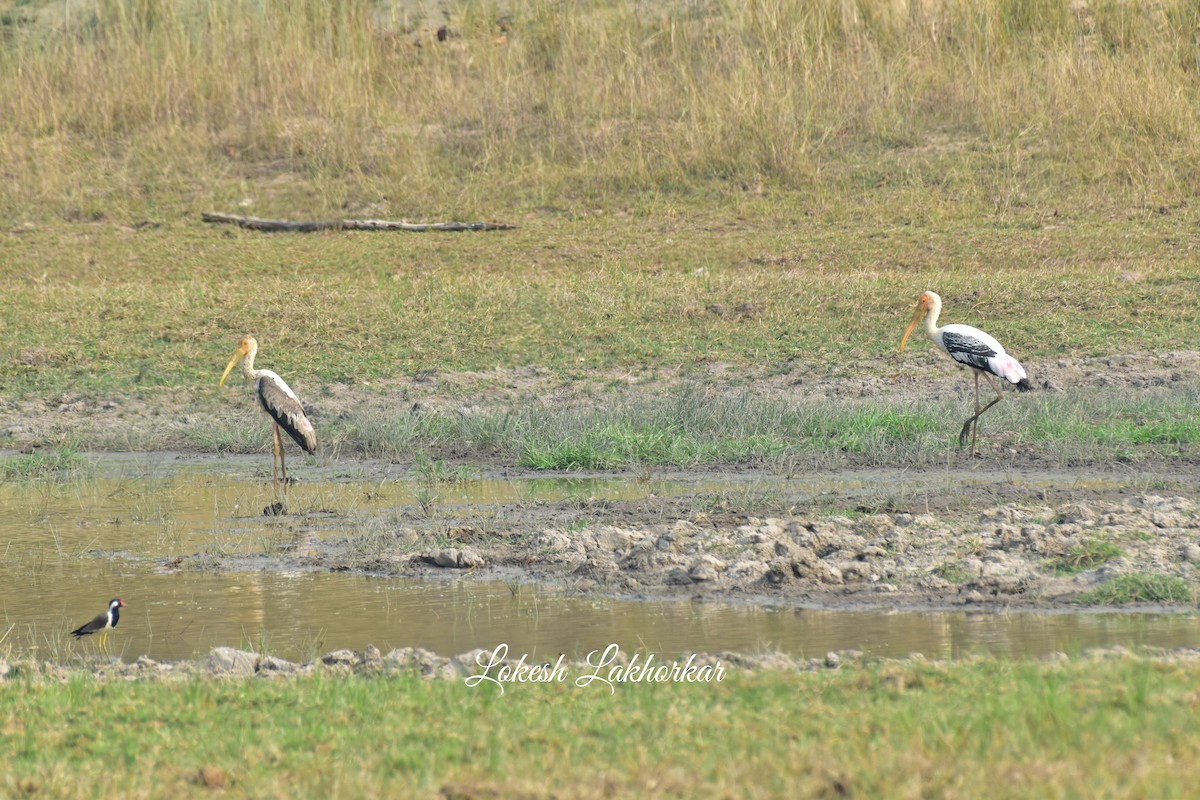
(1108, 728)
(96, 308)
(753, 185)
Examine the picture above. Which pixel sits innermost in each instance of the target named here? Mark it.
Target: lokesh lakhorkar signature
(601, 667)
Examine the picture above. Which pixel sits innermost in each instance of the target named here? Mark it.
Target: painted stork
(102, 623)
(279, 403)
(970, 347)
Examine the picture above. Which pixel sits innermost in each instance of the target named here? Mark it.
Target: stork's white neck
(931, 316)
(248, 369)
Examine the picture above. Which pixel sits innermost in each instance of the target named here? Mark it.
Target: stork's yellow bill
(244, 346)
(923, 306)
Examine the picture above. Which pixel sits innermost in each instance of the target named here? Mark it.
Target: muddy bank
(1036, 555)
(188, 418)
(618, 668)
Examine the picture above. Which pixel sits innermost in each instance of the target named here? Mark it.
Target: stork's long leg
(962, 436)
(275, 459)
(979, 412)
(282, 465)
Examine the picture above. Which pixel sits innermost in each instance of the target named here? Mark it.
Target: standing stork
(970, 347)
(279, 403)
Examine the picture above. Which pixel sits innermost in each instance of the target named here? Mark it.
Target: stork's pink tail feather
(1010, 369)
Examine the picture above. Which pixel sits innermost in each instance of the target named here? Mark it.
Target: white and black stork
(279, 403)
(102, 623)
(969, 347)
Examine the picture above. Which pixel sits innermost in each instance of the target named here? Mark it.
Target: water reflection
(298, 615)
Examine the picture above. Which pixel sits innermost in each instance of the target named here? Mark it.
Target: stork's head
(929, 302)
(245, 346)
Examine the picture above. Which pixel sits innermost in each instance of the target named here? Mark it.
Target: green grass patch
(688, 424)
(1089, 553)
(1095, 728)
(693, 426)
(45, 463)
(1148, 416)
(1139, 588)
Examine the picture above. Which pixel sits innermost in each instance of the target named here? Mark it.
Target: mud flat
(974, 536)
(1035, 555)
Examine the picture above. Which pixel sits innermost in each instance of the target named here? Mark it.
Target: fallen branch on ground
(256, 224)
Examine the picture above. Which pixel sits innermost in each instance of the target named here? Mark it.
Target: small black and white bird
(972, 348)
(103, 623)
(277, 401)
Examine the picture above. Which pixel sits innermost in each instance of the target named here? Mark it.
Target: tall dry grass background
(135, 107)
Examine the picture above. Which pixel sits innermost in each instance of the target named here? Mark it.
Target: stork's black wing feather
(285, 409)
(968, 350)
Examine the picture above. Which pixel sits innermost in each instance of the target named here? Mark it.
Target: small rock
(613, 540)
(372, 659)
(212, 777)
(427, 663)
(679, 577)
(454, 558)
(827, 573)
(854, 571)
(706, 568)
(832, 660)
(274, 664)
(229, 661)
(747, 571)
(340, 658)
(1191, 552)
